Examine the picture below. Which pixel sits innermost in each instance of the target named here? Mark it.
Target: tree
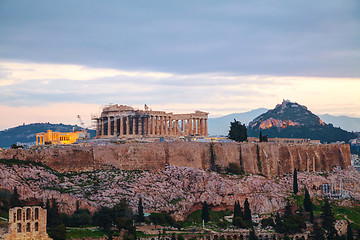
(238, 131)
(53, 216)
(307, 201)
(263, 138)
(349, 233)
(103, 218)
(205, 212)
(140, 215)
(247, 212)
(252, 235)
(238, 218)
(295, 183)
(328, 222)
(58, 232)
(267, 222)
(278, 223)
(318, 232)
(15, 200)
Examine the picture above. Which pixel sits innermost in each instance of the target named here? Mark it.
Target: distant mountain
(346, 123)
(292, 120)
(220, 126)
(27, 133)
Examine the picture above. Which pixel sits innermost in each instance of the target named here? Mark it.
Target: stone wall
(269, 159)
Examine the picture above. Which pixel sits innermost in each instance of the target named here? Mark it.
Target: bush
(234, 168)
(267, 222)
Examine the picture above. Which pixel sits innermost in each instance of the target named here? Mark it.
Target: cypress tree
(349, 233)
(288, 211)
(252, 235)
(236, 210)
(311, 215)
(140, 216)
(247, 211)
(307, 201)
(278, 223)
(328, 220)
(15, 200)
(205, 212)
(295, 183)
(318, 232)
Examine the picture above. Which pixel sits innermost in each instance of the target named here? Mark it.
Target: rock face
(286, 114)
(180, 190)
(267, 159)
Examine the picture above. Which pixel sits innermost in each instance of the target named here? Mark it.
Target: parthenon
(125, 121)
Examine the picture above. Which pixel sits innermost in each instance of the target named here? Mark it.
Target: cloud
(293, 38)
(47, 90)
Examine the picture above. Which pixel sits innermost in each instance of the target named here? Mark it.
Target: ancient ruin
(125, 121)
(27, 223)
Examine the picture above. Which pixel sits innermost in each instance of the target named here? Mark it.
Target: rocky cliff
(264, 158)
(180, 190)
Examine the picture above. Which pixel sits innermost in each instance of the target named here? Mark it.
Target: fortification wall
(266, 158)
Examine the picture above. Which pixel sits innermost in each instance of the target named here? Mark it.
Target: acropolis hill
(268, 159)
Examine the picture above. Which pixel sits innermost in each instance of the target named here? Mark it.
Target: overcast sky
(63, 58)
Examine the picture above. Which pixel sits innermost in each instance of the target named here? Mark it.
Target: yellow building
(55, 138)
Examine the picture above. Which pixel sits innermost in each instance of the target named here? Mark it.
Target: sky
(60, 59)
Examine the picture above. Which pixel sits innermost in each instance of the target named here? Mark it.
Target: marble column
(127, 125)
(121, 132)
(206, 128)
(102, 126)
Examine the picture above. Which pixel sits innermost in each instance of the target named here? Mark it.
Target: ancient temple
(125, 121)
(27, 223)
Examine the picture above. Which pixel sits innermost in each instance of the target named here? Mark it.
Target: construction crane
(84, 132)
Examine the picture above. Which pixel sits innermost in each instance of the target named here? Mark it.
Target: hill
(293, 120)
(220, 126)
(27, 133)
(344, 122)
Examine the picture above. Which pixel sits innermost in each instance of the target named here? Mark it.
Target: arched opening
(28, 214)
(36, 213)
(18, 213)
(28, 227)
(19, 227)
(14, 217)
(36, 226)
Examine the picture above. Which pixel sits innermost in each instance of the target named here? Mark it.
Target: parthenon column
(127, 125)
(152, 125)
(195, 126)
(116, 126)
(109, 126)
(206, 128)
(133, 125)
(102, 126)
(121, 132)
(166, 126)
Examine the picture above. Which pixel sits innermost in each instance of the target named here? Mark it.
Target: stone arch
(18, 229)
(28, 213)
(36, 226)
(28, 227)
(36, 213)
(18, 213)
